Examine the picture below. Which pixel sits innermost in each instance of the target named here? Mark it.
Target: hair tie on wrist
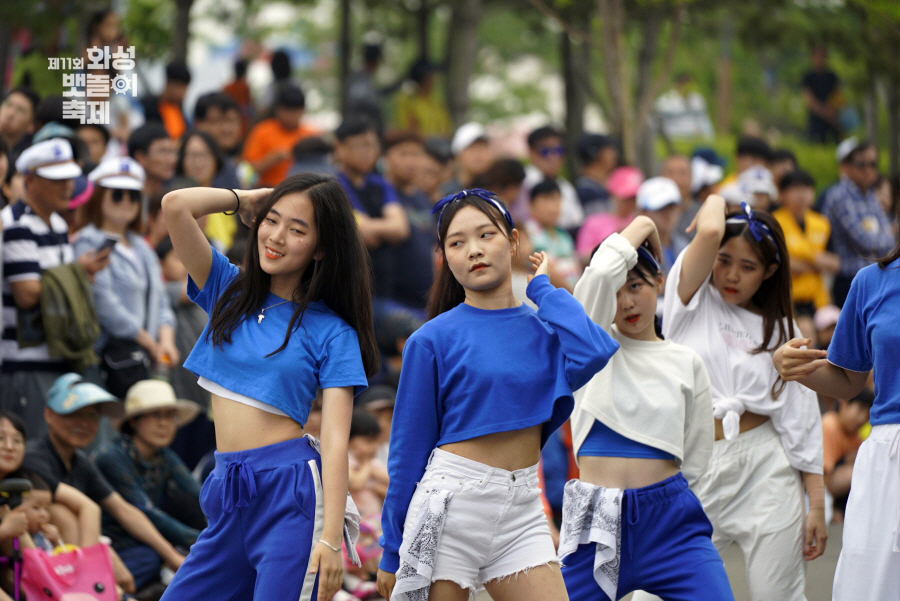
(236, 208)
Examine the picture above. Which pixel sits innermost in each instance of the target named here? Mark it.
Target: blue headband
(482, 194)
(757, 227)
(642, 251)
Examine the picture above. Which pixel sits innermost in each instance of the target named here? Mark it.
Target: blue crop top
(602, 441)
(323, 352)
(471, 372)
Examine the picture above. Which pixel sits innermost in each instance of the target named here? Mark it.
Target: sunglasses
(118, 195)
(552, 151)
(864, 164)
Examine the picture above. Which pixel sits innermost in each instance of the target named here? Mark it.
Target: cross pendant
(259, 318)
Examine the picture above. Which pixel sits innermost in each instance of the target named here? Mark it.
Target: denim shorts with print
(494, 526)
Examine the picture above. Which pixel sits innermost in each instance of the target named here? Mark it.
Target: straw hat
(153, 395)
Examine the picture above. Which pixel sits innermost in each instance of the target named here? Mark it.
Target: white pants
(753, 497)
(869, 566)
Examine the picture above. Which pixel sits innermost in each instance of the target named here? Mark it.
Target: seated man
(841, 441)
(73, 417)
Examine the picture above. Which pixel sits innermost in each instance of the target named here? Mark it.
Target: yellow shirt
(424, 115)
(805, 245)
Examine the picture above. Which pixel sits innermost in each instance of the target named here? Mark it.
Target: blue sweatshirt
(471, 372)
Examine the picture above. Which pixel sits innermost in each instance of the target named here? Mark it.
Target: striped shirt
(29, 247)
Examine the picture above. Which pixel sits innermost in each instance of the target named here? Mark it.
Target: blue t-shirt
(867, 336)
(471, 372)
(323, 352)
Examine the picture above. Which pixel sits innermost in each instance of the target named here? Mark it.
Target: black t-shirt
(41, 458)
(822, 85)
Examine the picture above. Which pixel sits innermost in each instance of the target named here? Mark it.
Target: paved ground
(819, 573)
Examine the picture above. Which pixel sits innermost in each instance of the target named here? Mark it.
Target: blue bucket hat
(70, 392)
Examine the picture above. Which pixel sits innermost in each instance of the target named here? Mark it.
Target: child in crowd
(546, 236)
(806, 234)
(841, 440)
(368, 479)
(463, 509)
(36, 506)
(379, 402)
(623, 184)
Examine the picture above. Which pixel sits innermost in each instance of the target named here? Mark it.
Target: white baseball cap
(657, 193)
(704, 173)
(123, 173)
(758, 180)
(466, 135)
(50, 159)
(846, 147)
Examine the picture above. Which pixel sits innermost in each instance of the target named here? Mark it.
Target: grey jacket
(124, 303)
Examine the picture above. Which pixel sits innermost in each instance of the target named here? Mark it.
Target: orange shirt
(269, 135)
(836, 442)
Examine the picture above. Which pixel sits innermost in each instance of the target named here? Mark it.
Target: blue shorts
(265, 514)
(666, 549)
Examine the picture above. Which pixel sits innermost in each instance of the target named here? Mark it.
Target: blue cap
(70, 392)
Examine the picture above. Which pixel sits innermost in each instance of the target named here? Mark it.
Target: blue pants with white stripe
(264, 508)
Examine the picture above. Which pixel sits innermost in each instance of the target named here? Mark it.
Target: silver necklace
(260, 317)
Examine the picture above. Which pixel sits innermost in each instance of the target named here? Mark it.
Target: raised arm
(605, 275)
(585, 345)
(182, 208)
(700, 255)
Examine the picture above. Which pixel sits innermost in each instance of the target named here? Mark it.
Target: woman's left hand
(815, 534)
(541, 264)
(329, 565)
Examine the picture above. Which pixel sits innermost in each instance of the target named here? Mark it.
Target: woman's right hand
(386, 582)
(251, 201)
(640, 230)
(795, 363)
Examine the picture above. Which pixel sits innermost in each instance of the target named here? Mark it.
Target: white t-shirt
(725, 336)
(656, 393)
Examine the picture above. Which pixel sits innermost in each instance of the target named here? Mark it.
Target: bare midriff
(509, 451)
(240, 427)
(624, 472)
(748, 422)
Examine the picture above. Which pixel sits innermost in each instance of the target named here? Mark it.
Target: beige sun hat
(147, 396)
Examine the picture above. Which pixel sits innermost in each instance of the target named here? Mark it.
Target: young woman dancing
(631, 522)
(296, 317)
(484, 383)
(865, 339)
(729, 299)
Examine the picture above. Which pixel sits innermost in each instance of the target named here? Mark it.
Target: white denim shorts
(494, 523)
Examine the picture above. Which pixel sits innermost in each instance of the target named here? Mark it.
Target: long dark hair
(342, 278)
(446, 292)
(774, 294)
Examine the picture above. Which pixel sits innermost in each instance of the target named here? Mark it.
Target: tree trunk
(344, 51)
(462, 45)
(182, 31)
(723, 83)
(574, 70)
(5, 44)
(423, 15)
(893, 111)
(616, 73)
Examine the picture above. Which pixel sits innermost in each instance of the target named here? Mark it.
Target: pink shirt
(596, 229)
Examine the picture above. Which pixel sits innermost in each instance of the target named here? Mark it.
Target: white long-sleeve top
(725, 337)
(656, 393)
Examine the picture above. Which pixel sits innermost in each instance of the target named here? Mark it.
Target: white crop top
(223, 392)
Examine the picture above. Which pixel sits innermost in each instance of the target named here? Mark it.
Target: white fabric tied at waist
(593, 514)
(351, 515)
(419, 547)
(729, 410)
